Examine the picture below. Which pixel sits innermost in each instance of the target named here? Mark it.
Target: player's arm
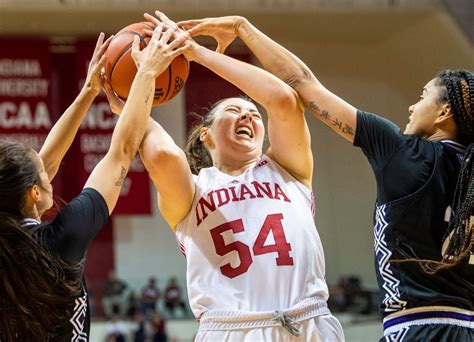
(108, 176)
(62, 134)
(168, 168)
(287, 129)
(288, 133)
(326, 106)
(166, 164)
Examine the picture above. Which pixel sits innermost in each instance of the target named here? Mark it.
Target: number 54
(281, 247)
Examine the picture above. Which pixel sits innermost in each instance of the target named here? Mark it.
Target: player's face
(424, 113)
(45, 188)
(238, 129)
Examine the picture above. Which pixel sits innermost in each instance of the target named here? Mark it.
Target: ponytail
(196, 152)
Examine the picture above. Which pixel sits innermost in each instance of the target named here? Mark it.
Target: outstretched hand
(165, 45)
(170, 25)
(222, 29)
(93, 81)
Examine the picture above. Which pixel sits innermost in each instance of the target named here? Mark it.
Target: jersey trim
(392, 300)
(428, 315)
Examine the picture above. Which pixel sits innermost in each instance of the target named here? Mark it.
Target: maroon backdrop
(25, 101)
(94, 141)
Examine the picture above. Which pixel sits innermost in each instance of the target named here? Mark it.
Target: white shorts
(311, 318)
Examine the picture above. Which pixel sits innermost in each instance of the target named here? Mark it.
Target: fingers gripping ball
(120, 68)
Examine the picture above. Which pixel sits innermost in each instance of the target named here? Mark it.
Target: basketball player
(42, 295)
(244, 217)
(425, 187)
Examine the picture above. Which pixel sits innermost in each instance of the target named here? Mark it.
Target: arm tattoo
(123, 173)
(147, 97)
(325, 116)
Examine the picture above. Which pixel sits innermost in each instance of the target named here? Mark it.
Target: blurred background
(376, 54)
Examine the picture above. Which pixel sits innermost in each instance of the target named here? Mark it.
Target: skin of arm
(108, 176)
(326, 106)
(166, 164)
(62, 134)
(287, 129)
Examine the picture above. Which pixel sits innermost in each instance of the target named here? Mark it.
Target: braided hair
(457, 89)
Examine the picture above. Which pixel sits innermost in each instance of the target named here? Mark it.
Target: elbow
(128, 150)
(286, 100)
(159, 157)
(299, 78)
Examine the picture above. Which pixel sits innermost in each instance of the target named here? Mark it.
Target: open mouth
(242, 130)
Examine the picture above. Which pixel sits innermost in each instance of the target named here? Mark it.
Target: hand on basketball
(162, 48)
(115, 103)
(223, 29)
(93, 81)
(169, 24)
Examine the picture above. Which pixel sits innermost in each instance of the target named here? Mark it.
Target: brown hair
(36, 288)
(196, 152)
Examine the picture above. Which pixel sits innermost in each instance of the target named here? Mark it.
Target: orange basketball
(120, 68)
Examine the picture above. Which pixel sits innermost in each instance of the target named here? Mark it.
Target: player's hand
(163, 47)
(115, 103)
(93, 81)
(190, 46)
(223, 29)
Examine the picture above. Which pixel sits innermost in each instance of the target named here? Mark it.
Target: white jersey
(251, 242)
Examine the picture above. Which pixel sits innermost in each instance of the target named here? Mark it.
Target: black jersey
(68, 237)
(415, 179)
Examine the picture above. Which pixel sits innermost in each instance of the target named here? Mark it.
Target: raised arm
(108, 176)
(166, 164)
(62, 134)
(288, 133)
(326, 106)
(168, 168)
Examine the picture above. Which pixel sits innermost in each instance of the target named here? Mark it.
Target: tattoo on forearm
(330, 120)
(123, 173)
(147, 97)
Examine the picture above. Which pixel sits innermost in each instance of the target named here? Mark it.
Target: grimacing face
(424, 113)
(236, 131)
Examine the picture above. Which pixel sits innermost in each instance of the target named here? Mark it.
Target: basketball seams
(124, 51)
(120, 67)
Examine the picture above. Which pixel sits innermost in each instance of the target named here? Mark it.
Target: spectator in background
(159, 328)
(139, 332)
(133, 305)
(115, 330)
(173, 297)
(150, 296)
(112, 298)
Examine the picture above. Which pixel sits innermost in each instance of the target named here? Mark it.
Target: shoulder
(87, 202)
(371, 125)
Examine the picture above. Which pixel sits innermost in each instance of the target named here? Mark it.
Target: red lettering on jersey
(278, 192)
(258, 187)
(221, 197)
(203, 203)
(220, 200)
(244, 190)
(234, 194)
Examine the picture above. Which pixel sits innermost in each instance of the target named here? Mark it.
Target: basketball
(120, 68)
